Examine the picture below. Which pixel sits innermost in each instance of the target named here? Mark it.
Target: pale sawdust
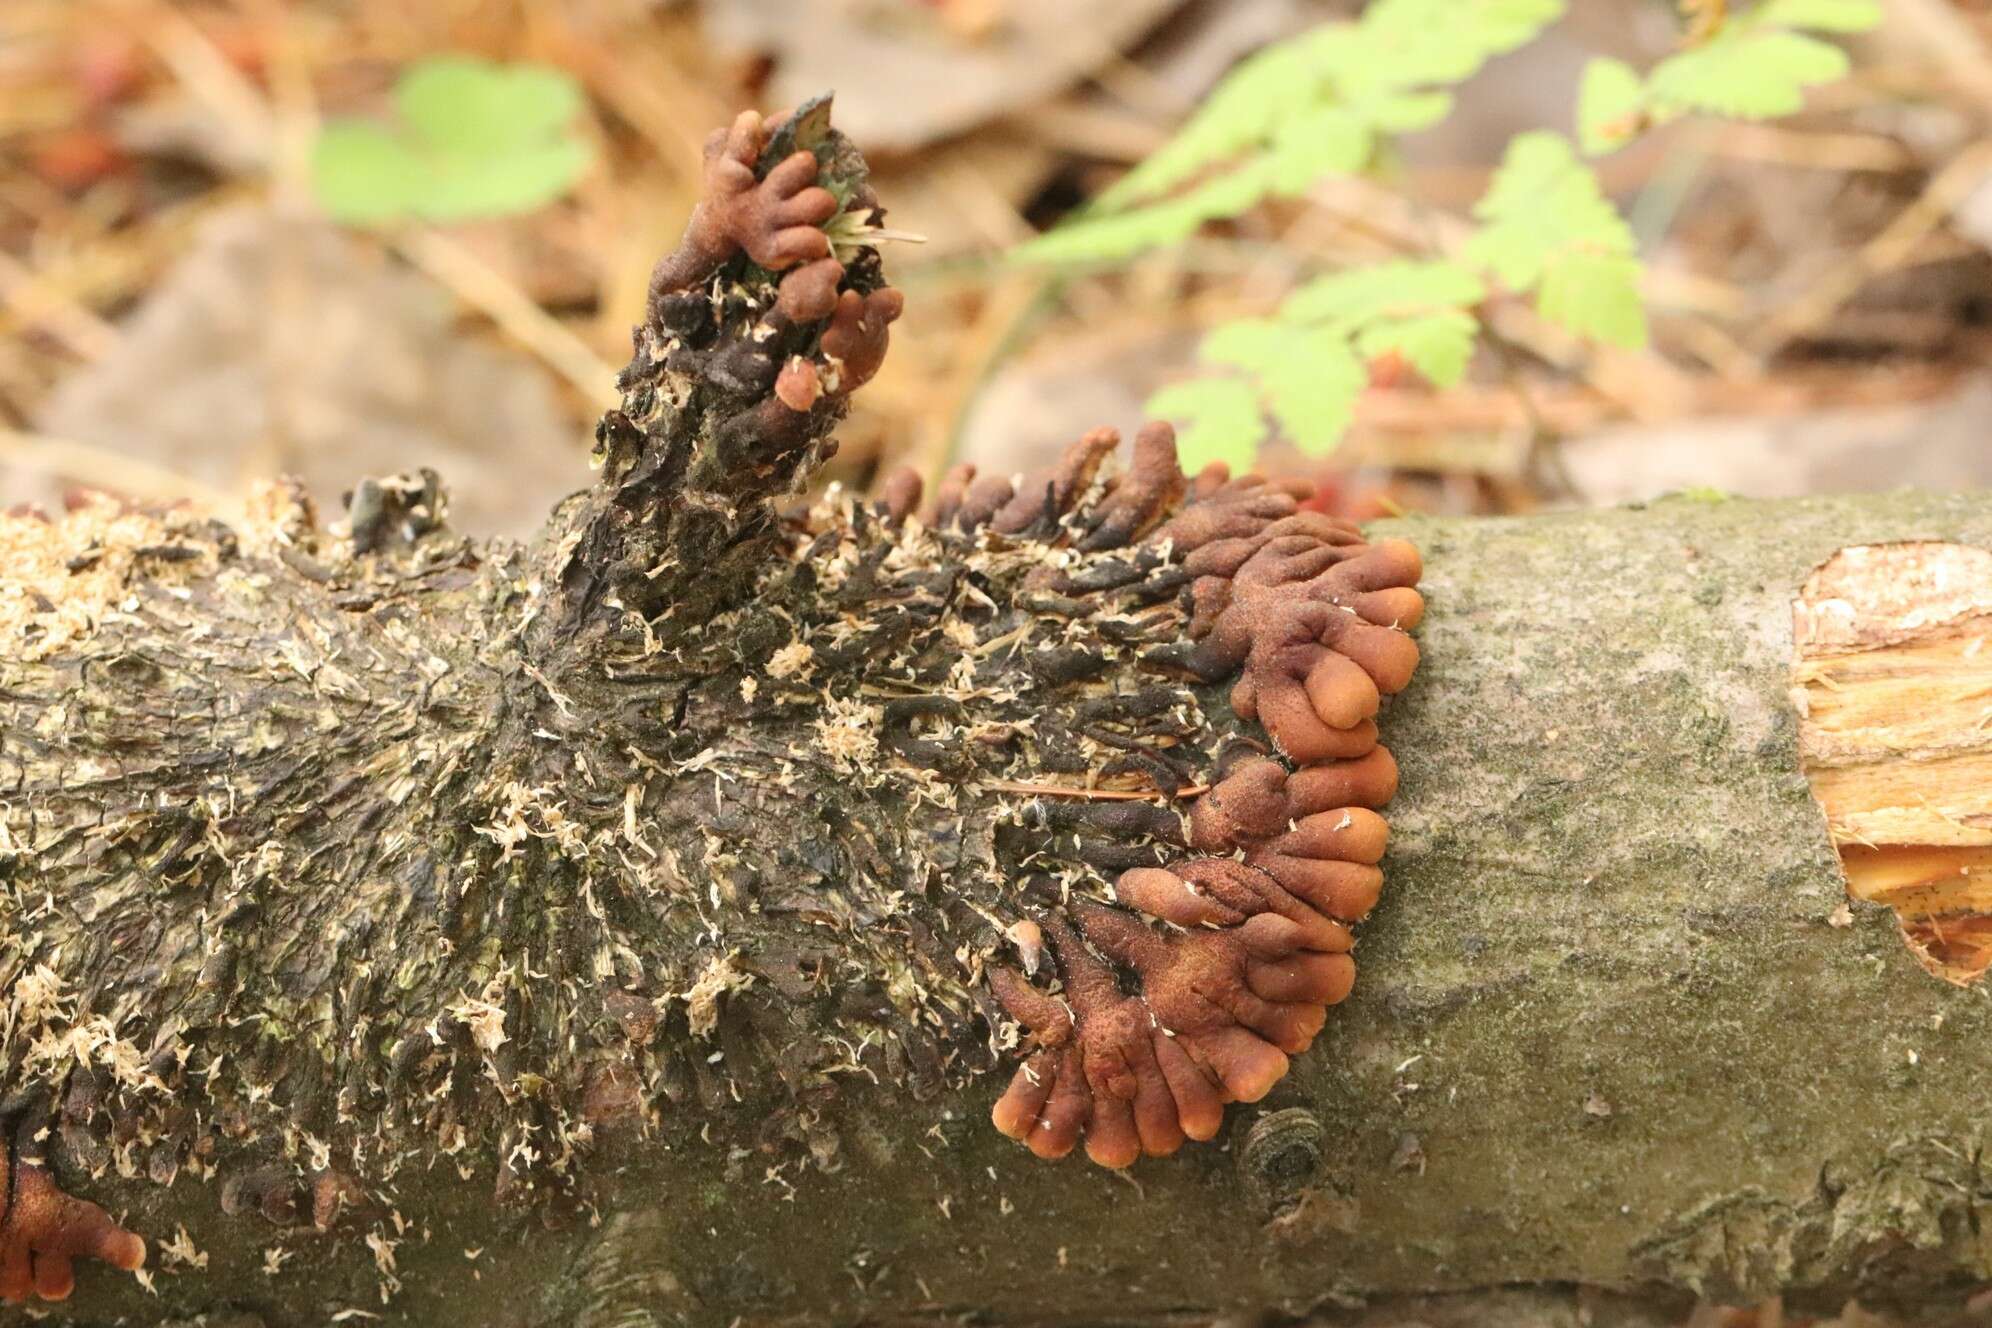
(63, 577)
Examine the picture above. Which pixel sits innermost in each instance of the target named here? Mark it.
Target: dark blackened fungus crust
(377, 851)
(758, 329)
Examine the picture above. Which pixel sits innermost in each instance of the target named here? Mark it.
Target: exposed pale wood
(1894, 684)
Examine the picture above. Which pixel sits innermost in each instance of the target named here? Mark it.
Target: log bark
(1608, 1037)
(595, 932)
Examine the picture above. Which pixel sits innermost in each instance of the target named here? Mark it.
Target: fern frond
(1244, 111)
(1305, 379)
(1329, 140)
(1097, 238)
(1611, 105)
(1820, 15)
(1380, 68)
(1543, 202)
(1419, 310)
(1745, 72)
(1402, 112)
(1754, 65)
(1406, 43)
(1309, 377)
(1438, 344)
(1364, 295)
(1549, 228)
(1595, 296)
(1316, 105)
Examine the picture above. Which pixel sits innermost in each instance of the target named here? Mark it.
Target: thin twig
(113, 472)
(1895, 246)
(517, 314)
(1099, 795)
(36, 302)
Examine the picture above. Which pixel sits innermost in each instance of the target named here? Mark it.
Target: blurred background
(205, 279)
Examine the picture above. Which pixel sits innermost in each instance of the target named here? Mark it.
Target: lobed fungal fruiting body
(44, 1231)
(1236, 955)
(775, 217)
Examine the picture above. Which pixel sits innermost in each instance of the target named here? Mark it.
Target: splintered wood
(1893, 685)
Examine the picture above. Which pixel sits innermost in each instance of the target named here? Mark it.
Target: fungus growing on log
(776, 217)
(377, 850)
(44, 1231)
(1313, 619)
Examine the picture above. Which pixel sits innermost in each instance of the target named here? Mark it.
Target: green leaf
(1218, 420)
(1489, 27)
(1439, 345)
(1326, 141)
(1820, 15)
(472, 139)
(1745, 72)
(1543, 202)
(361, 173)
(1264, 92)
(1417, 309)
(1756, 66)
(459, 103)
(1310, 377)
(1595, 296)
(1550, 228)
(1379, 69)
(1388, 290)
(1405, 112)
(1410, 42)
(1609, 105)
(1096, 238)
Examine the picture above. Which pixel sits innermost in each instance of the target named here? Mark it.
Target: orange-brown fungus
(1106, 1068)
(43, 1231)
(774, 213)
(777, 219)
(1154, 484)
(856, 339)
(1215, 968)
(1894, 661)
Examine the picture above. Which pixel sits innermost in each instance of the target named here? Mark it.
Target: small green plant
(472, 139)
(1753, 65)
(1327, 102)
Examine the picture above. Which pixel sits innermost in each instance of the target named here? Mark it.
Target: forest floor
(176, 320)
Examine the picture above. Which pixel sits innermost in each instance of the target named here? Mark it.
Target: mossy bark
(1608, 1050)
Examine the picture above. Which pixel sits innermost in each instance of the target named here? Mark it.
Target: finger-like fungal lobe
(759, 326)
(772, 211)
(1194, 977)
(43, 1232)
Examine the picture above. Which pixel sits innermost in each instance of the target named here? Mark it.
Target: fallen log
(398, 927)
